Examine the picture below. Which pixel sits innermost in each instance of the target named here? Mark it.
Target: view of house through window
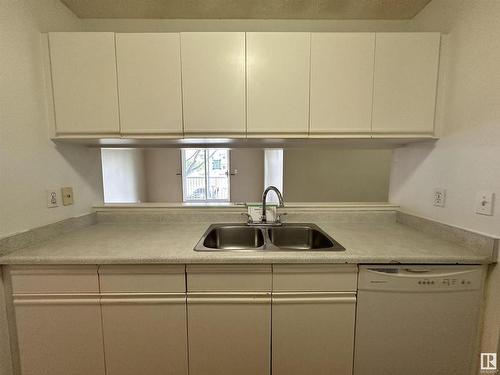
(205, 175)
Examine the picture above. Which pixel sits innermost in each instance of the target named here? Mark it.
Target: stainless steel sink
(232, 237)
(286, 237)
(300, 237)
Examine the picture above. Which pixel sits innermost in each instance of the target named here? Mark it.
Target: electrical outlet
(484, 202)
(67, 195)
(52, 198)
(439, 197)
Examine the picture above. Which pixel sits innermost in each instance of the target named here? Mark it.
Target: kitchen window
(205, 175)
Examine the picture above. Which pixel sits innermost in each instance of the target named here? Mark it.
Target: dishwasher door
(418, 320)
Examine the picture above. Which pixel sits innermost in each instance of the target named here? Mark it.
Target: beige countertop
(104, 243)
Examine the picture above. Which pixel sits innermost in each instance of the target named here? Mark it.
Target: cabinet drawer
(203, 278)
(54, 279)
(323, 278)
(142, 278)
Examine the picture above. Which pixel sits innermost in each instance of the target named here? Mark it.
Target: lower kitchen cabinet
(145, 334)
(57, 319)
(314, 308)
(144, 319)
(229, 333)
(169, 320)
(313, 333)
(59, 335)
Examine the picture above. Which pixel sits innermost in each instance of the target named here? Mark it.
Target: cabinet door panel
(84, 82)
(145, 334)
(313, 333)
(59, 335)
(149, 83)
(213, 83)
(341, 82)
(278, 83)
(406, 67)
(229, 334)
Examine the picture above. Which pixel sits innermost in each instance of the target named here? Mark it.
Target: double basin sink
(285, 237)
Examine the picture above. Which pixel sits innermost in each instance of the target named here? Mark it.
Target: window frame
(206, 164)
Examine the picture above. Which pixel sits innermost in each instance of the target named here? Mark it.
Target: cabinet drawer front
(330, 278)
(54, 279)
(229, 278)
(142, 278)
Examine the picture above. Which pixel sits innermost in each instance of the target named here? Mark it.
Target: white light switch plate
(484, 202)
(439, 197)
(52, 198)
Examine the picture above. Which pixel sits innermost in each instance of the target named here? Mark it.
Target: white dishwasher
(418, 320)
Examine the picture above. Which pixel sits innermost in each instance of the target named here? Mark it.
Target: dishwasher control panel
(421, 278)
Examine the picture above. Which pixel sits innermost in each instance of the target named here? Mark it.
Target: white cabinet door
(406, 68)
(145, 334)
(213, 83)
(229, 333)
(313, 333)
(59, 334)
(341, 82)
(83, 67)
(278, 83)
(149, 83)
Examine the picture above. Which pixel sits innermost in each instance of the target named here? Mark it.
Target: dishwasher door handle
(417, 270)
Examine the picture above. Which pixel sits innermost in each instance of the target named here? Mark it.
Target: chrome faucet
(263, 218)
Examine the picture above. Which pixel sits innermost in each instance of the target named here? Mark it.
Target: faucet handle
(279, 216)
(249, 217)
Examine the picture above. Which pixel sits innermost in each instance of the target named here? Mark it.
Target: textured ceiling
(247, 9)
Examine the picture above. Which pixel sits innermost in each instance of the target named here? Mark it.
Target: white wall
(467, 157)
(29, 162)
(123, 175)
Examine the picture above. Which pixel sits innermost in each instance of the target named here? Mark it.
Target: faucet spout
(264, 198)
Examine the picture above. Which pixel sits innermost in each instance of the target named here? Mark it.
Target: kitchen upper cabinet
(229, 319)
(278, 84)
(314, 308)
(341, 83)
(58, 320)
(213, 83)
(144, 319)
(149, 83)
(406, 68)
(83, 67)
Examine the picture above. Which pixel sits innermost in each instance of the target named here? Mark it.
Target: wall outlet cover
(67, 195)
(52, 198)
(439, 198)
(484, 202)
